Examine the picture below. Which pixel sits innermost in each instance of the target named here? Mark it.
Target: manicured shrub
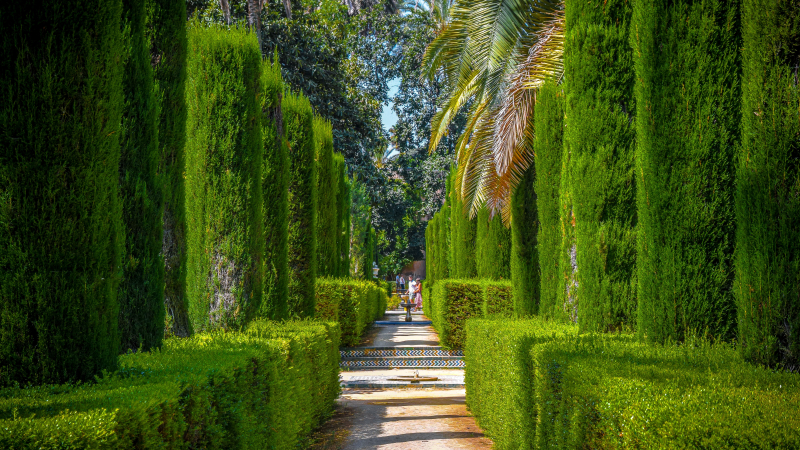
(768, 186)
(442, 242)
(61, 231)
(498, 376)
(275, 191)
(327, 191)
(168, 51)
(525, 272)
(141, 293)
(548, 147)
(266, 388)
(354, 304)
(431, 248)
(224, 157)
(342, 217)
(368, 253)
(498, 298)
(566, 306)
(688, 58)
(452, 303)
(492, 247)
(600, 135)
(462, 238)
(298, 126)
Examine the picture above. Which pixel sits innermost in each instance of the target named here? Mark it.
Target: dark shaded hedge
(492, 247)
(343, 217)
(525, 272)
(141, 296)
(327, 206)
(298, 124)
(168, 51)
(600, 137)
(548, 147)
(61, 230)
(688, 97)
(224, 157)
(768, 181)
(268, 387)
(274, 185)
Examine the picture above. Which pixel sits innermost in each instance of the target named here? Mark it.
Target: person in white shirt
(412, 289)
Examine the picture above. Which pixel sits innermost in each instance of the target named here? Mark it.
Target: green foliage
(600, 136)
(443, 244)
(141, 295)
(342, 217)
(360, 224)
(327, 192)
(224, 157)
(768, 182)
(168, 52)
(368, 253)
(462, 237)
(61, 230)
(566, 306)
(451, 303)
(274, 187)
(525, 272)
(498, 376)
(688, 59)
(213, 391)
(537, 384)
(354, 304)
(498, 298)
(548, 147)
(492, 247)
(298, 126)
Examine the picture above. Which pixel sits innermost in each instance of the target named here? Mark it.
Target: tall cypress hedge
(442, 241)
(492, 247)
(274, 186)
(344, 220)
(688, 97)
(548, 147)
(298, 124)
(462, 237)
(369, 253)
(600, 138)
(525, 273)
(141, 296)
(567, 301)
(768, 185)
(61, 231)
(224, 157)
(168, 51)
(432, 249)
(327, 191)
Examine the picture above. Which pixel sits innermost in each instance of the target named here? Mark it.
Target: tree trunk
(254, 18)
(287, 5)
(226, 10)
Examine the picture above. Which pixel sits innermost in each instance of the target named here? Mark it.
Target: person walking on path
(397, 283)
(412, 289)
(418, 294)
(402, 283)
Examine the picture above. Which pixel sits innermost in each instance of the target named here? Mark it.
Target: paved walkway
(408, 418)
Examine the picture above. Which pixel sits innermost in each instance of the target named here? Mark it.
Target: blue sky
(388, 117)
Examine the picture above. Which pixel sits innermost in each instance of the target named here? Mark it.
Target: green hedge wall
(354, 304)
(224, 155)
(492, 247)
(452, 302)
(535, 384)
(141, 295)
(462, 238)
(298, 126)
(429, 251)
(342, 217)
(548, 147)
(567, 302)
(443, 241)
(369, 252)
(600, 136)
(525, 272)
(498, 298)
(327, 192)
(768, 182)
(275, 191)
(498, 376)
(212, 391)
(688, 97)
(61, 231)
(168, 50)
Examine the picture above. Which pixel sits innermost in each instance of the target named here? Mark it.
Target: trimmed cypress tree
(61, 230)
(442, 239)
(141, 296)
(369, 253)
(344, 208)
(168, 51)
(462, 237)
(274, 186)
(600, 137)
(524, 246)
(492, 247)
(224, 157)
(298, 120)
(768, 181)
(566, 307)
(327, 190)
(548, 147)
(688, 97)
(432, 249)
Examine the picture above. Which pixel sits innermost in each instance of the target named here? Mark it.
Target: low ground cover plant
(265, 387)
(540, 385)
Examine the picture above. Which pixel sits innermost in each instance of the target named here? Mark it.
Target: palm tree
(493, 55)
